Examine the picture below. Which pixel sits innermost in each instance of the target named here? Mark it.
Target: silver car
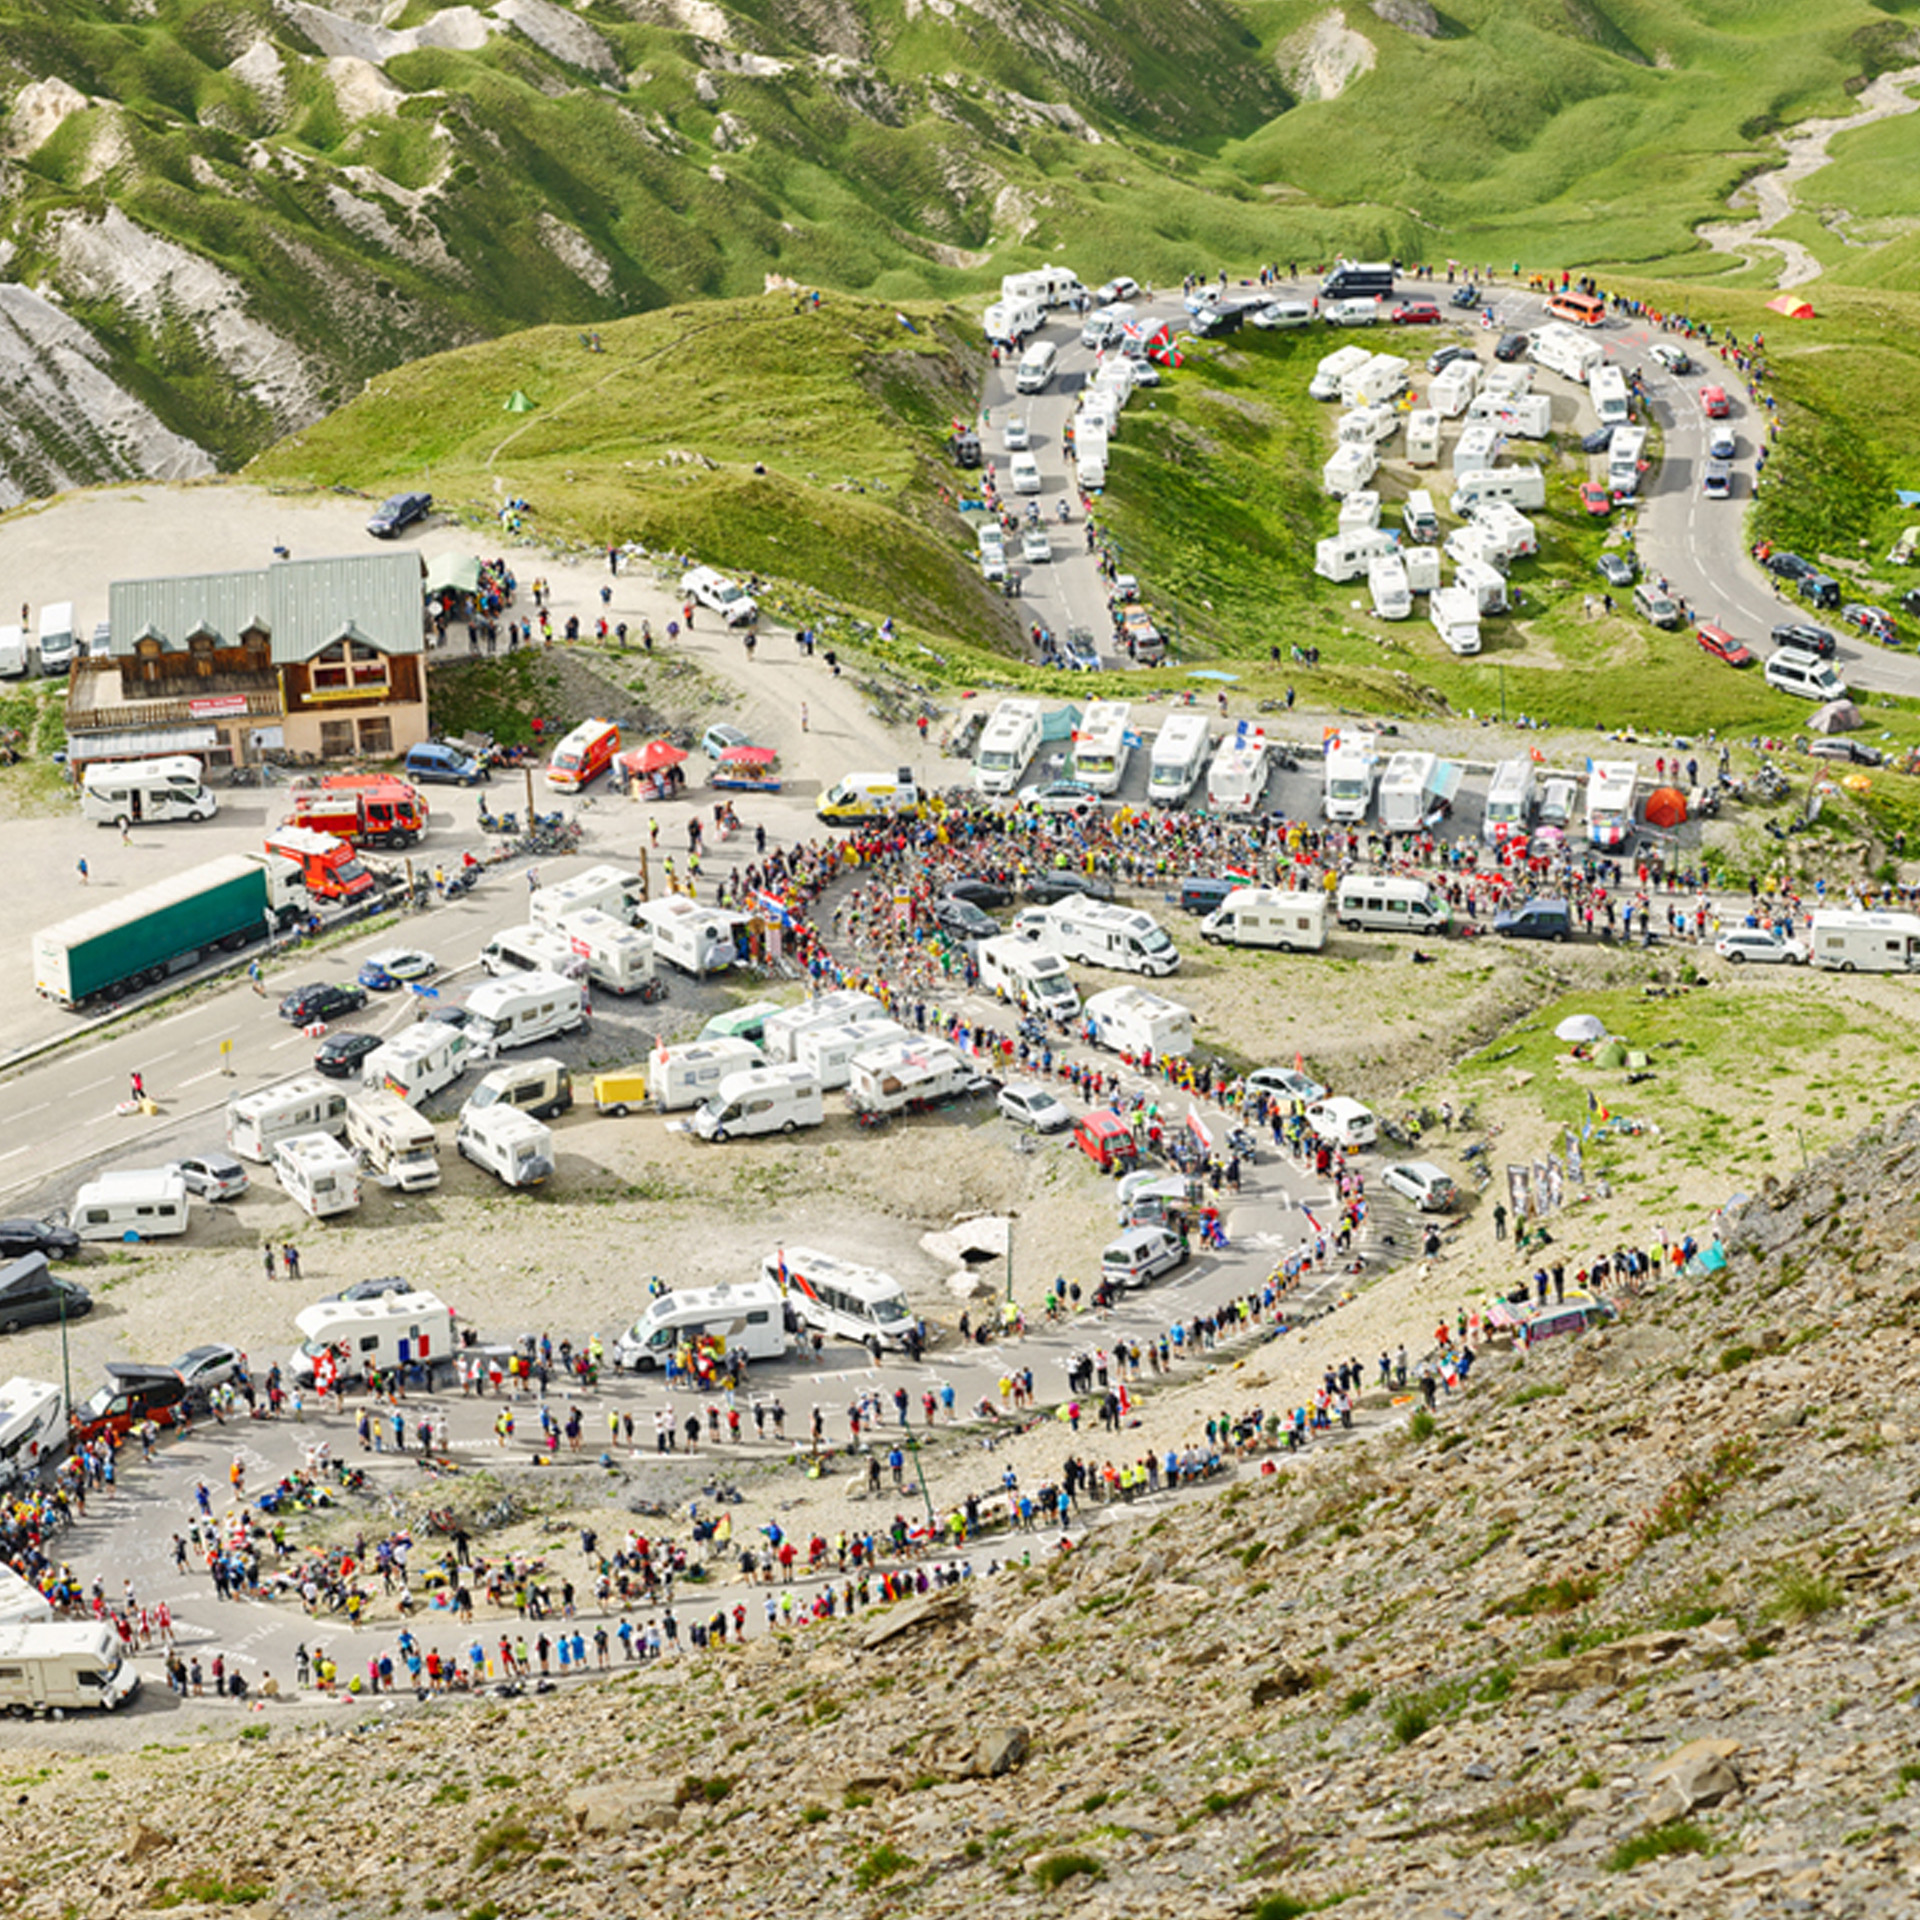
(1034, 1107)
(1760, 946)
(213, 1176)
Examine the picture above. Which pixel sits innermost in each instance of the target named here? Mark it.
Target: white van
(828, 1052)
(1509, 810)
(1008, 741)
(528, 949)
(698, 940)
(839, 1298)
(1524, 487)
(598, 889)
(1103, 933)
(749, 1320)
(783, 1029)
(13, 652)
(1023, 473)
(147, 1203)
(513, 1146)
(1851, 941)
(1180, 751)
(523, 1010)
(1035, 372)
(397, 1145)
(541, 1086)
(775, 1099)
(1133, 1021)
(57, 641)
(418, 1062)
(305, 1104)
(1423, 437)
(1237, 779)
(1805, 676)
(683, 1076)
(1102, 745)
(131, 793)
(1418, 516)
(617, 956)
(396, 1330)
(1293, 920)
(1342, 1122)
(1389, 903)
(60, 1666)
(1028, 975)
(320, 1175)
(856, 798)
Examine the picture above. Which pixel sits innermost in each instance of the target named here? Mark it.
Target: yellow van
(619, 1093)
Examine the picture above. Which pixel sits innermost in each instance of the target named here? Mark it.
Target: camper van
(747, 1021)
(58, 641)
(749, 1320)
(61, 1666)
(132, 793)
(698, 940)
(1347, 556)
(1237, 779)
(541, 1086)
(1035, 371)
(1608, 385)
(1418, 516)
(513, 1146)
(583, 756)
(597, 890)
(774, 1099)
(1381, 376)
(1350, 468)
(1387, 587)
(1611, 789)
(1855, 942)
(617, 956)
(1485, 582)
(1423, 437)
(1453, 387)
(1415, 789)
(1422, 566)
(1295, 921)
(683, 1076)
(1524, 487)
(857, 798)
(828, 1052)
(528, 949)
(1102, 745)
(396, 1330)
(1352, 774)
(902, 1076)
(1455, 615)
(1804, 676)
(1389, 903)
(1474, 448)
(1567, 351)
(33, 1426)
(147, 1203)
(1522, 416)
(1509, 810)
(1132, 1021)
(397, 1146)
(1028, 976)
(305, 1104)
(781, 1030)
(840, 1299)
(1624, 454)
(1104, 934)
(1104, 325)
(1009, 740)
(321, 1176)
(523, 1010)
(1179, 757)
(1333, 369)
(419, 1062)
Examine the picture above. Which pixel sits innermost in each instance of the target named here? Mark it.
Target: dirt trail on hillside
(1806, 150)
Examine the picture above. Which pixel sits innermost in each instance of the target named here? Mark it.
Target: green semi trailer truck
(121, 946)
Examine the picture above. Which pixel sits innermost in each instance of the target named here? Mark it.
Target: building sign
(223, 706)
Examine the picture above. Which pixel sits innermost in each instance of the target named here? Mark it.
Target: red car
(1416, 316)
(1723, 646)
(1596, 499)
(1713, 401)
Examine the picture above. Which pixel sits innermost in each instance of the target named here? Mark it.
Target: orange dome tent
(1666, 807)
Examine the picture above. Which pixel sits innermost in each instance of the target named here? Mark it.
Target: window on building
(336, 739)
(348, 667)
(376, 736)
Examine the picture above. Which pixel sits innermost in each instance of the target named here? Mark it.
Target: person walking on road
(83, 872)
(803, 729)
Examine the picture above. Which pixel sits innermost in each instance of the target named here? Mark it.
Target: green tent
(517, 402)
(455, 572)
(1613, 1054)
(1060, 724)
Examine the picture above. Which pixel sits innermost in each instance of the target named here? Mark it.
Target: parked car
(1596, 499)
(210, 1366)
(1283, 313)
(1786, 566)
(1838, 747)
(963, 918)
(1443, 357)
(339, 1055)
(1418, 314)
(132, 1394)
(1615, 569)
(213, 1176)
(982, 893)
(1759, 944)
(1674, 359)
(708, 587)
(1802, 638)
(1818, 590)
(722, 735)
(322, 1000)
(434, 762)
(1910, 602)
(1034, 1107)
(1061, 883)
(1723, 646)
(1286, 1083)
(1598, 441)
(1511, 346)
(1116, 289)
(399, 513)
(1872, 621)
(31, 1295)
(1080, 650)
(1430, 1188)
(1558, 800)
(398, 965)
(1060, 796)
(18, 1238)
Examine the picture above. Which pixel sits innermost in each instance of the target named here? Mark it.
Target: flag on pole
(1312, 1218)
(770, 906)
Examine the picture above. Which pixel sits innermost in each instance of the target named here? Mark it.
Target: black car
(1062, 883)
(962, 917)
(1446, 356)
(18, 1238)
(1201, 893)
(1910, 601)
(1805, 639)
(395, 515)
(321, 1000)
(1598, 441)
(981, 893)
(1817, 590)
(965, 448)
(339, 1054)
(1464, 297)
(376, 1289)
(1786, 566)
(30, 1295)
(1211, 323)
(1512, 346)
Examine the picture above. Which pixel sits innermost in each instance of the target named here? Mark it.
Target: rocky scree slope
(1629, 1630)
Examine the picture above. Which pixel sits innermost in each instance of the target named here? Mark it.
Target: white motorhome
(1468, 544)
(541, 1086)
(1851, 941)
(528, 949)
(1382, 376)
(1333, 369)
(775, 1099)
(1527, 416)
(33, 1426)
(698, 940)
(597, 890)
(320, 1175)
(1009, 740)
(1237, 778)
(839, 1298)
(1179, 757)
(1624, 454)
(1608, 386)
(1524, 487)
(1415, 789)
(1423, 568)
(1028, 975)
(1388, 588)
(1132, 1021)
(1509, 810)
(395, 1330)
(132, 793)
(1347, 556)
(1423, 437)
(1567, 351)
(1035, 371)
(418, 1062)
(1612, 792)
(1012, 319)
(1485, 582)
(1352, 773)
(1350, 468)
(1102, 745)
(1511, 535)
(1102, 933)
(1475, 448)
(616, 956)
(1292, 919)
(1389, 903)
(1418, 517)
(749, 1320)
(1051, 286)
(1507, 380)
(513, 1146)
(60, 1666)
(523, 1010)
(1367, 426)
(397, 1145)
(1359, 512)
(900, 1075)
(1455, 614)
(683, 1076)
(305, 1104)
(827, 1052)
(132, 1203)
(1090, 461)
(1453, 387)
(781, 1032)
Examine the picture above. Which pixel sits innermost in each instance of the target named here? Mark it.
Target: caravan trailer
(782, 1030)
(306, 1104)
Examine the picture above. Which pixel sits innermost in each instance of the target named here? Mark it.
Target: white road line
(12, 1152)
(194, 1081)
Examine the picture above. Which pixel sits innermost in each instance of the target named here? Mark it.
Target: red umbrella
(751, 756)
(653, 756)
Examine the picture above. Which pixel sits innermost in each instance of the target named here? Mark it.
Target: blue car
(375, 978)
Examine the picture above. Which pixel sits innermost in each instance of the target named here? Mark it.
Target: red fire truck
(329, 868)
(370, 809)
